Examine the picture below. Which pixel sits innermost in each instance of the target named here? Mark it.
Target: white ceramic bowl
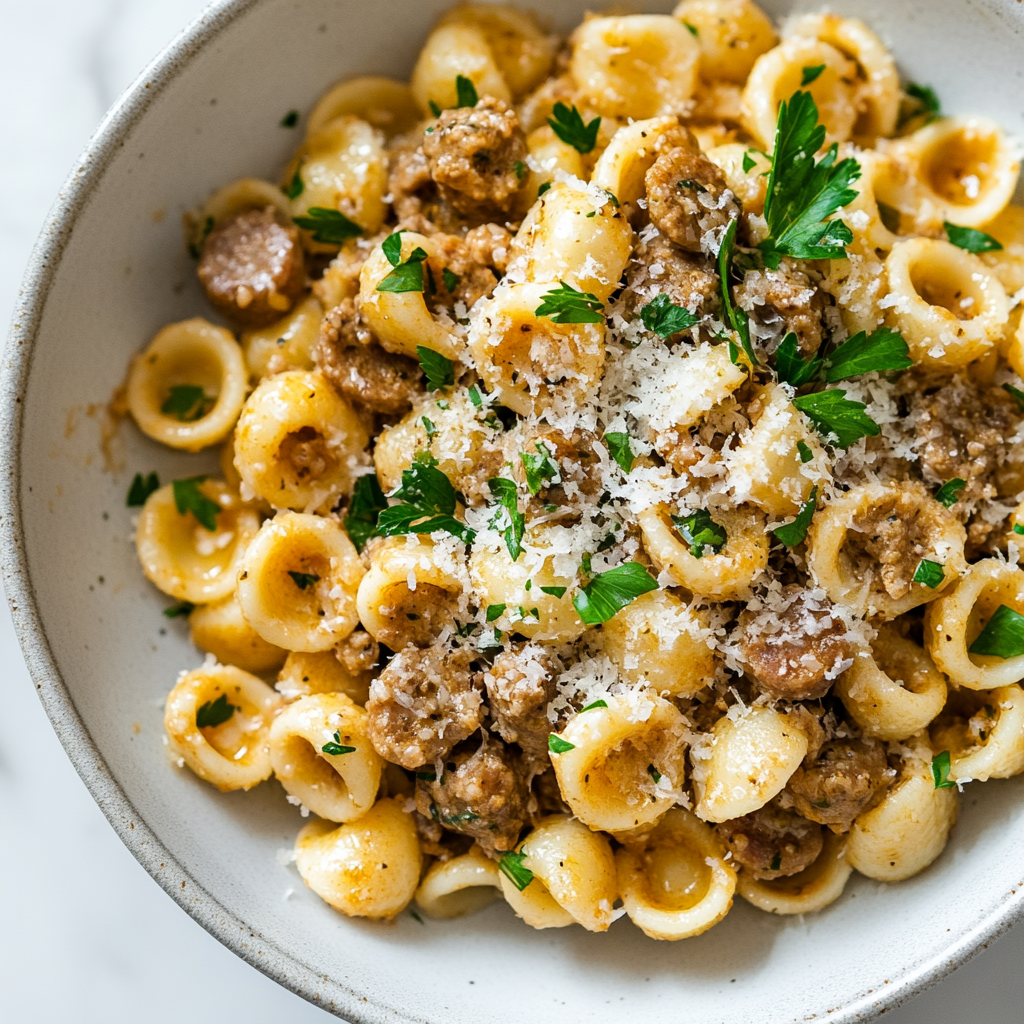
(109, 270)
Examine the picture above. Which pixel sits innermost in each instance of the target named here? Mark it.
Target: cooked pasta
(622, 440)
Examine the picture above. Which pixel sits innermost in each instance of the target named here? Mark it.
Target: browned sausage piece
(847, 778)
(795, 648)
(422, 705)
(660, 267)
(784, 296)
(252, 267)
(772, 842)
(481, 793)
(520, 684)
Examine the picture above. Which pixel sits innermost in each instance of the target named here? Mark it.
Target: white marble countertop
(85, 935)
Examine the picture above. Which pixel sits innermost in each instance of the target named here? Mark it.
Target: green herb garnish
(795, 533)
(810, 75)
(367, 503)
(181, 608)
(541, 469)
(569, 127)
(408, 275)
(971, 239)
(776, 862)
(511, 866)
(188, 498)
(665, 318)
(508, 520)
(791, 367)
(214, 712)
(290, 120)
(304, 580)
(450, 278)
(735, 316)
(620, 449)
(949, 493)
(554, 591)
(1017, 395)
(141, 488)
(440, 371)
(336, 748)
(329, 226)
(187, 403)
(557, 745)
(882, 350)
(1003, 635)
(700, 531)
(296, 186)
(805, 452)
(495, 611)
(833, 414)
(567, 305)
(940, 771)
(609, 592)
(427, 503)
(929, 573)
(925, 101)
(654, 773)
(596, 704)
(465, 92)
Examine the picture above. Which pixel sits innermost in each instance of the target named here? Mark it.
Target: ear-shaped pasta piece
(342, 167)
(226, 461)
(675, 881)
(1008, 263)
(637, 65)
(748, 761)
(452, 50)
(497, 580)
(750, 185)
(523, 51)
(862, 216)
(878, 92)
(384, 103)
(956, 620)
(946, 303)
(533, 363)
(905, 832)
(233, 752)
(460, 886)
(401, 320)
(365, 868)
(661, 639)
(288, 344)
(626, 765)
(810, 890)
(552, 155)
(311, 672)
(237, 197)
(298, 442)
(573, 877)
(725, 576)
(184, 559)
(851, 547)
(410, 592)
(321, 755)
(577, 234)
(778, 73)
(732, 34)
(893, 691)
(220, 629)
(988, 744)
(298, 581)
(162, 383)
(767, 466)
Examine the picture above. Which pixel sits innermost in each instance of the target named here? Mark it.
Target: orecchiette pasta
(462, 885)
(384, 103)
(732, 34)
(221, 629)
(458, 48)
(305, 673)
(988, 744)
(809, 890)
(289, 344)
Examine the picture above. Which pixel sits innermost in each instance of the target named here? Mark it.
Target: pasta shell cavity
(187, 388)
(289, 344)
(984, 735)
(453, 49)
(675, 881)
(384, 103)
(460, 886)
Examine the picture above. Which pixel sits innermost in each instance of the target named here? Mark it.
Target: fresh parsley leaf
(543, 188)
(596, 704)
(367, 503)
(290, 120)
(214, 712)
(832, 413)
(440, 371)
(465, 92)
(620, 449)
(187, 403)
(569, 127)
(1017, 394)
(735, 316)
(802, 193)
(475, 397)
(428, 426)
(811, 74)
(890, 216)
(541, 469)
(692, 29)
(795, 533)
(654, 773)
(181, 608)
(922, 99)
(427, 503)
(971, 239)
(336, 748)
(662, 316)
(450, 278)
(881, 350)
(511, 866)
(296, 186)
(700, 531)
(427, 775)
(791, 367)
(188, 498)
(1017, 528)
(195, 248)
(141, 488)
(416, 917)
(949, 492)
(1003, 635)
(554, 591)
(407, 276)
(520, 168)
(940, 771)
(303, 580)
(557, 745)
(609, 592)
(567, 305)
(776, 863)
(805, 452)
(509, 520)
(929, 573)
(392, 248)
(329, 226)
(495, 611)
(434, 109)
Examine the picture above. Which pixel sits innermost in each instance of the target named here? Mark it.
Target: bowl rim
(258, 950)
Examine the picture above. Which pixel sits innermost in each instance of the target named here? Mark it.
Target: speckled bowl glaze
(109, 270)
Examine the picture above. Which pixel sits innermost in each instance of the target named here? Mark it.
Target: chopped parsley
(427, 503)
(187, 403)
(795, 533)
(557, 745)
(569, 127)
(543, 188)
(195, 249)
(806, 455)
(776, 863)
(921, 100)
(654, 773)
(567, 305)
(791, 367)
(188, 498)
(929, 573)
(428, 426)
(141, 488)
(367, 503)
(1017, 395)
(700, 531)
(692, 29)
(1003, 635)
(450, 278)
(940, 771)
(303, 580)
(408, 275)
(495, 611)
(337, 748)
(520, 169)
(290, 120)
(465, 92)
(891, 217)
(802, 193)
(475, 396)
(809, 75)
(427, 775)
(1017, 528)
(559, 591)
(329, 226)
(609, 592)
(214, 712)
(620, 449)
(509, 520)
(735, 316)
(949, 493)
(971, 239)
(181, 608)
(665, 318)
(296, 186)
(596, 704)
(511, 866)
(881, 350)
(541, 469)
(440, 371)
(835, 415)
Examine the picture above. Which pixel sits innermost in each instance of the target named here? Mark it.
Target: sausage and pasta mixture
(622, 438)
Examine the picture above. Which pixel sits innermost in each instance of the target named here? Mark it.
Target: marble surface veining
(85, 935)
